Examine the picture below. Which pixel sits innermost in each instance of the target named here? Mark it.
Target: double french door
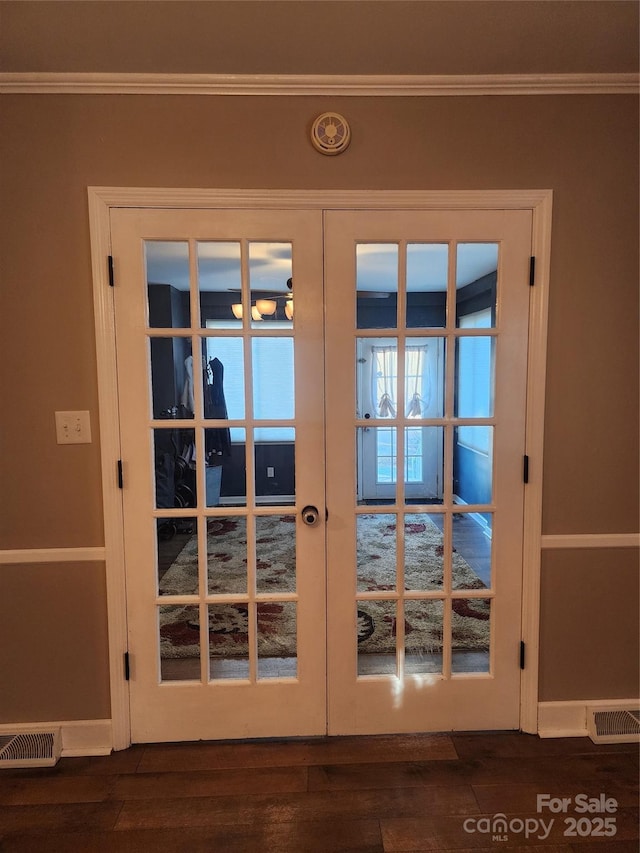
(322, 426)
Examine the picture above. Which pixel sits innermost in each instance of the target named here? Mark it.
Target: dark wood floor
(366, 795)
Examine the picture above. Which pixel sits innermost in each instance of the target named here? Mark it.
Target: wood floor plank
(517, 848)
(569, 770)
(57, 817)
(311, 751)
(516, 744)
(322, 805)
(352, 836)
(341, 777)
(55, 789)
(210, 783)
(609, 846)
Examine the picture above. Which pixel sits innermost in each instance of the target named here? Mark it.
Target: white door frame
(102, 199)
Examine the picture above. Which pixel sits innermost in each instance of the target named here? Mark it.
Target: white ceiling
(270, 265)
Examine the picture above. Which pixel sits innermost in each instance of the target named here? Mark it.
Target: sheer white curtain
(416, 391)
(384, 380)
(384, 377)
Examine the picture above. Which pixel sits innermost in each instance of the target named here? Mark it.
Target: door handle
(310, 515)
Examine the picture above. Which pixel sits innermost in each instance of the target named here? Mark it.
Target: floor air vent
(30, 749)
(615, 725)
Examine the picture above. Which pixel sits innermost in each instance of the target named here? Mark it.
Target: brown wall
(54, 660)
(585, 148)
(586, 639)
(339, 37)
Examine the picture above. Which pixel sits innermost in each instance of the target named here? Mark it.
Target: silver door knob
(310, 515)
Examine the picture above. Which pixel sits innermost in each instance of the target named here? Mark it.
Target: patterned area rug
(275, 572)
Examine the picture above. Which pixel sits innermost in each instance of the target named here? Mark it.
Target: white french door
(222, 445)
(264, 353)
(425, 584)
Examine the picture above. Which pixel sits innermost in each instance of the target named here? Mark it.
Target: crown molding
(46, 83)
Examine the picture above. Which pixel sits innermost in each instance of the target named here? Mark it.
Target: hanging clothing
(217, 440)
(187, 399)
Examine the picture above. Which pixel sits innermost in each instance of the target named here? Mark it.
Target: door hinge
(127, 671)
(532, 271)
(521, 654)
(110, 269)
(525, 469)
(120, 477)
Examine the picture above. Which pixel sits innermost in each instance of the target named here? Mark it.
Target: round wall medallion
(330, 133)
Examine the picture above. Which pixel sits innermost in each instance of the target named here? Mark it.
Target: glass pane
(473, 464)
(226, 480)
(474, 377)
(273, 379)
(223, 379)
(276, 553)
(219, 284)
(376, 465)
(271, 283)
(227, 555)
(377, 285)
(424, 464)
(376, 552)
(424, 378)
(179, 629)
(470, 634)
(476, 283)
(423, 636)
(171, 378)
(277, 639)
(376, 637)
(413, 455)
(167, 267)
(386, 449)
(471, 560)
(275, 455)
(177, 556)
(377, 378)
(423, 551)
(175, 467)
(427, 266)
(228, 641)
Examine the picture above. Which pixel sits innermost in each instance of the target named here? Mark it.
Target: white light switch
(73, 428)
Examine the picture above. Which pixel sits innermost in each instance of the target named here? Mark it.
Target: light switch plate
(73, 428)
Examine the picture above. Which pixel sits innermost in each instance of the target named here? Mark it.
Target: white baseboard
(569, 719)
(79, 737)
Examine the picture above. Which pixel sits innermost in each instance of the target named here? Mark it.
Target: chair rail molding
(52, 555)
(551, 541)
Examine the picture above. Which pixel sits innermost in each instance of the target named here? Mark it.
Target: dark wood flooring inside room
(365, 795)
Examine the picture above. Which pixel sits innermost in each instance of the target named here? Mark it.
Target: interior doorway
(351, 682)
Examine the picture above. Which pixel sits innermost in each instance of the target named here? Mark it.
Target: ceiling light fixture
(267, 307)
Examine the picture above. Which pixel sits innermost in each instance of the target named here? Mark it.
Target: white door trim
(102, 199)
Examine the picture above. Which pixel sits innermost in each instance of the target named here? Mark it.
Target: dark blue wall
(472, 476)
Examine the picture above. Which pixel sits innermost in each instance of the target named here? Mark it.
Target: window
(384, 382)
(273, 380)
(474, 393)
